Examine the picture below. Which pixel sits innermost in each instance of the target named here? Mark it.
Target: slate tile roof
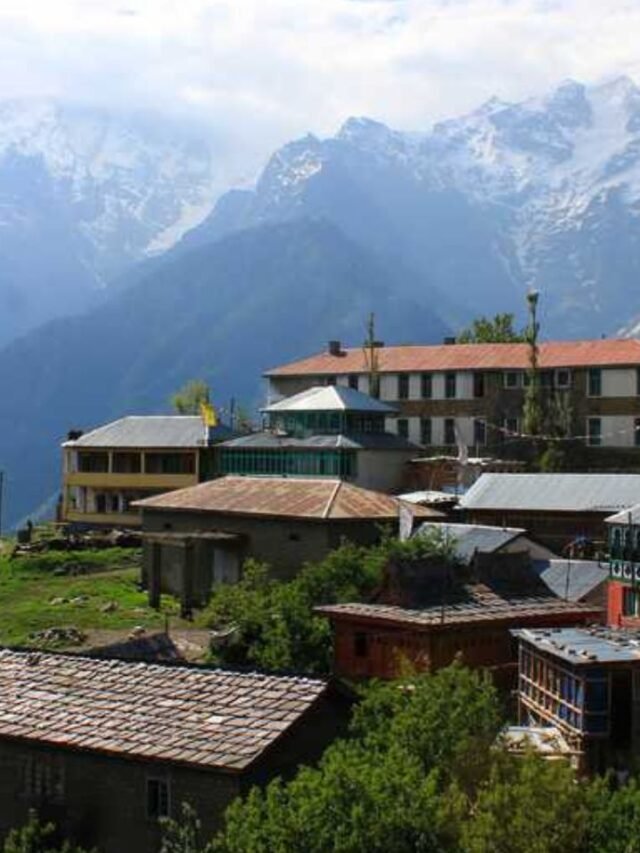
(600, 353)
(195, 716)
(483, 605)
(287, 497)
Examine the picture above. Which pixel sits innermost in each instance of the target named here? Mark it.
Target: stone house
(197, 537)
(105, 748)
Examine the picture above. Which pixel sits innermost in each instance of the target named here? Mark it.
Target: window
(93, 462)
(330, 380)
(512, 379)
(157, 798)
(44, 778)
(426, 386)
(638, 381)
(479, 431)
(510, 426)
(360, 644)
(563, 378)
(630, 602)
(546, 378)
(403, 427)
(636, 432)
(478, 384)
(450, 386)
(595, 382)
(403, 386)
(426, 431)
(127, 463)
(353, 381)
(170, 463)
(449, 431)
(594, 432)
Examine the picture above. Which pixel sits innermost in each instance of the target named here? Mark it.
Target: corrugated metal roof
(286, 497)
(353, 441)
(584, 646)
(571, 579)
(483, 606)
(331, 398)
(165, 431)
(601, 353)
(469, 538)
(203, 717)
(627, 516)
(560, 492)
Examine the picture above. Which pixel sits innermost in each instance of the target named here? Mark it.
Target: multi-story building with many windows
(107, 469)
(474, 393)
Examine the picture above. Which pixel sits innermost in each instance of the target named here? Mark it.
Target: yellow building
(107, 469)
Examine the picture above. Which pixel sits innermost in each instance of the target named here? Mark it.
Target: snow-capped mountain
(541, 193)
(85, 193)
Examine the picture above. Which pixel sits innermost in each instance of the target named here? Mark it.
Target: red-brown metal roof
(288, 497)
(598, 353)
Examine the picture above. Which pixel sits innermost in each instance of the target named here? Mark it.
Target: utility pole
(371, 357)
(532, 402)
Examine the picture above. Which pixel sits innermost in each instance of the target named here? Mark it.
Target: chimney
(335, 348)
(74, 434)
(378, 344)
(449, 341)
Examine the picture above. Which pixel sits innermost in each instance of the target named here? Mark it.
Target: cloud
(257, 73)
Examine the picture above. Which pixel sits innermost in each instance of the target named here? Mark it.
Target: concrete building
(624, 568)
(474, 393)
(585, 684)
(106, 748)
(468, 540)
(556, 509)
(324, 431)
(427, 613)
(104, 471)
(197, 537)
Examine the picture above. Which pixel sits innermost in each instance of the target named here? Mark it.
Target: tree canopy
(496, 330)
(187, 400)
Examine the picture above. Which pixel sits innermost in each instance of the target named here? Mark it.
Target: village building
(584, 683)
(562, 511)
(106, 748)
(325, 431)
(473, 393)
(104, 471)
(427, 613)
(624, 568)
(197, 537)
(467, 540)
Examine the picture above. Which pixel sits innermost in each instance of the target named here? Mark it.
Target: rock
(79, 599)
(59, 571)
(58, 600)
(138, 631)
(109, 607)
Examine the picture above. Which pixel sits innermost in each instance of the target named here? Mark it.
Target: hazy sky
(263, 71)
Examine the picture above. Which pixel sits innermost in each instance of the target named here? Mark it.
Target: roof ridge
(331, 501)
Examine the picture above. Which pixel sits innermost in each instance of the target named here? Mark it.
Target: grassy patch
(98, 592)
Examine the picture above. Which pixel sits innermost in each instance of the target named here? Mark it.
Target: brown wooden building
(427, 614)
(105, 748)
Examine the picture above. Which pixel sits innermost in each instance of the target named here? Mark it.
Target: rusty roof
(288, 497)
(482, 606)
(188, 715)
(598, 353)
